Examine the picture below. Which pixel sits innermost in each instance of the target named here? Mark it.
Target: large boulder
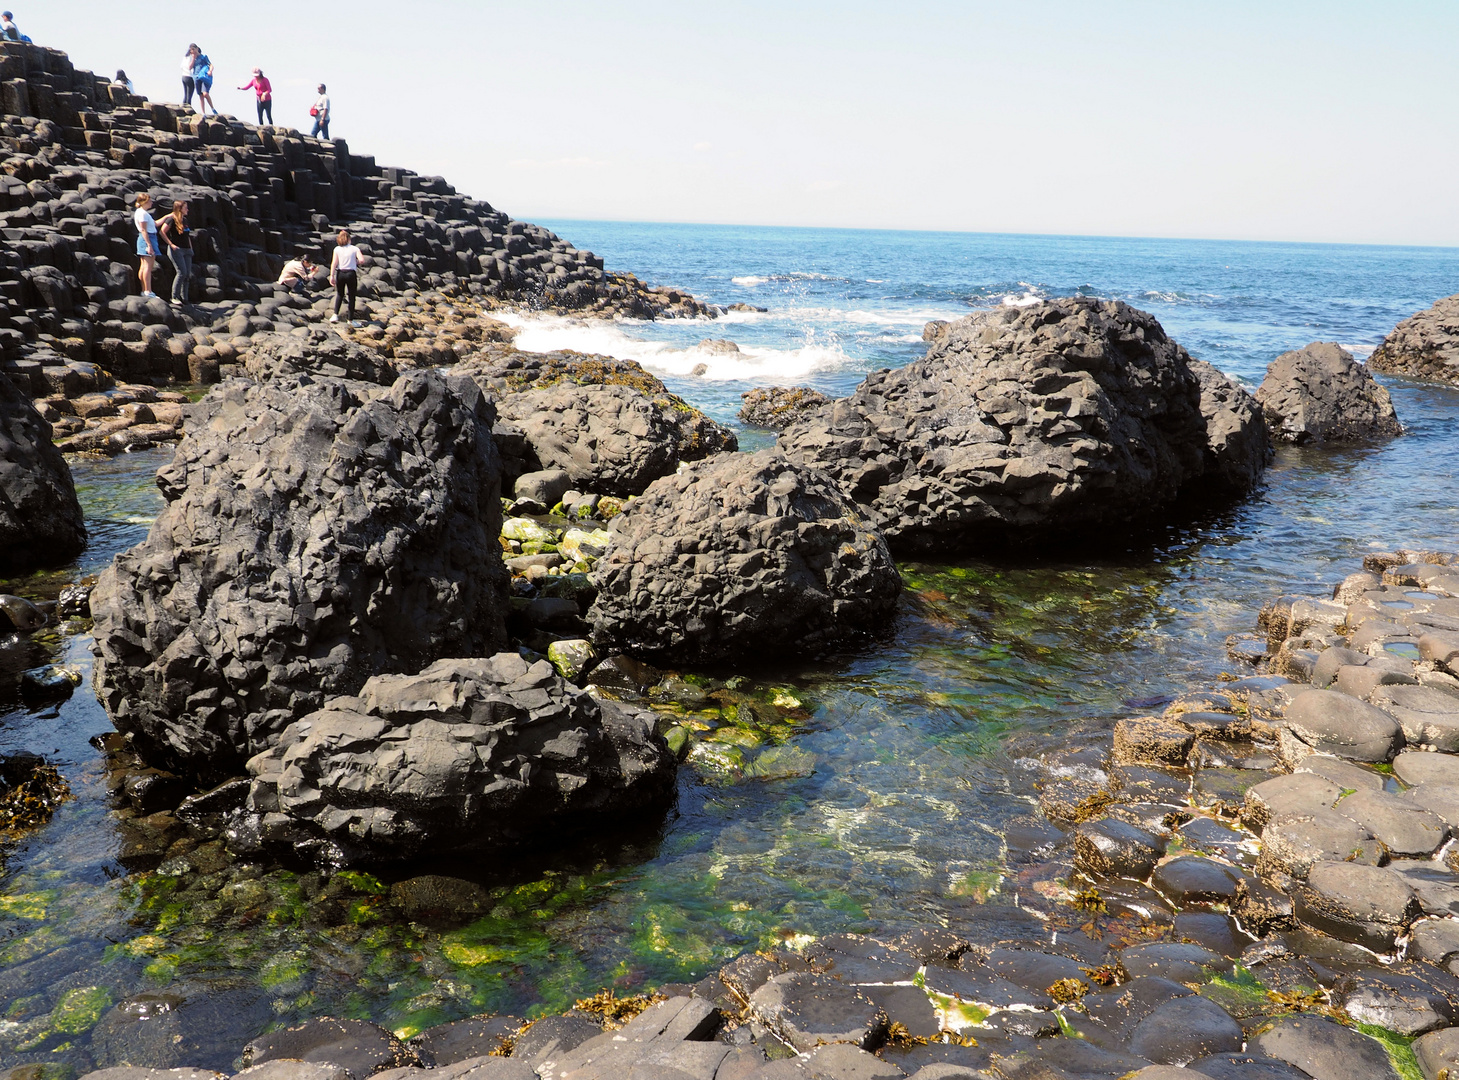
(610, 440)
(40, 519)
(468, 754)
(316, 351)
(1238, 447)
(1423, 346)
(1321, 394)
(742, 556)
(317, 532)
(777, 407)
(1069, 413)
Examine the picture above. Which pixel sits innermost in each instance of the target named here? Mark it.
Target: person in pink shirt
(265, 93)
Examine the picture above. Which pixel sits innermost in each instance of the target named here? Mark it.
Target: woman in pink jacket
(265, 92)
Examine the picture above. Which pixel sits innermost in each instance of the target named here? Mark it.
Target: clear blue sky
(1274, 121)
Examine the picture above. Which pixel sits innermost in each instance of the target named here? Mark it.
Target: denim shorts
(142, 248)
(203, 83)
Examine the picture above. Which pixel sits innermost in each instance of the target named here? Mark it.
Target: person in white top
(344, 273)
(187, 74)
(146, 243)
(320, 111)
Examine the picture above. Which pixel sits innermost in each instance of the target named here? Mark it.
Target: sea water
(869, 791)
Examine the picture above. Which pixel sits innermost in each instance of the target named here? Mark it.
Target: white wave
(1025, 299)
(550, 333)
(1361, 352)
(750, 280)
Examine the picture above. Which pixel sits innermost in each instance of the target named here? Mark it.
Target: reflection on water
(890, 813)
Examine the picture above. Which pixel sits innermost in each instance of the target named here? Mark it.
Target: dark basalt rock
(316, 351)
(1319, 393)
(1324, 1049)
(1423, 346)
(467, 755)
(1066, 414)
(317, 532)
(739, 557)
(1238, 442)
(777, 407)
(357, 1045)
(40, 519)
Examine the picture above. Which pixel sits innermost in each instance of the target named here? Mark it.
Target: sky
(1279, 120)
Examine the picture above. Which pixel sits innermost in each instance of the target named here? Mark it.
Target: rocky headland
(1424, 345)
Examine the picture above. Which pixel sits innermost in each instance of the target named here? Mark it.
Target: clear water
(913, 746)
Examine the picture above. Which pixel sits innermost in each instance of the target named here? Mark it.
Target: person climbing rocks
(8, 30)
(189, 58)
(320, 111)
(146, 243)
(203, 82)
(297, 274)
(178, 234)
(264, 93)
(122, 80)
(344, 273)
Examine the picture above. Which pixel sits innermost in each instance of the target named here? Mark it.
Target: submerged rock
(40, 519)
(1319, 393)
(1069, 413)
(317, 532)
(1424, 345)
(467, 755)
(742, 556)
(777, 407)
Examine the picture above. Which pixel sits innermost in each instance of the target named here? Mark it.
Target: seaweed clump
(30, 791)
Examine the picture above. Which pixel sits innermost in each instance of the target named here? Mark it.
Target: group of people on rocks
(174, 231)
(197, 77)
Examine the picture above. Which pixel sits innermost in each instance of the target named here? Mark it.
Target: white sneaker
(149, 296)
(334, 318)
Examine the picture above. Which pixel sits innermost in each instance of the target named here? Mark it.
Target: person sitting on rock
(123, 81)
(320, 111)
(8, 30)
(264, 91)
(298, 273)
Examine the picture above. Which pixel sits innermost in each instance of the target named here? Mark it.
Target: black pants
(265, 107)
(345, 279)
(187, 89)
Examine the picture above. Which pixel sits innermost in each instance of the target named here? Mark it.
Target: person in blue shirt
(8, 30)
(203, 83)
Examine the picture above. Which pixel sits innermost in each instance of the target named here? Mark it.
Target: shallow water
(912, 748)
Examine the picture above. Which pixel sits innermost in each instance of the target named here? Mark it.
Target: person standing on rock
(146, 243)
(344, 273)
(123, 81)
(203, 82)
(320, 111)
(264, 92)
(188, 59)
(175, 231)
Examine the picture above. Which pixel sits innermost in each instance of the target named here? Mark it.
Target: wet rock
(316, 351)
(462, 1040)
(1019, 420)
(1293, 843)
(359, 1046)
(806, 1009)
(125, 1072)
(1194, 880)
(671, 1035)
(1242, 1067)
(1399, 825)
(1112, 848)
(1177, 961)
(553, 1036)
(1296, 795)
(435, 898)
(313, 537)
(777, 407)
(75, 601)
(1367, 905)
(469, 754)
(1342, 773)
(54, 682)
(1434, 940)
(842, 1061)
(1405, 1002)
(40, 519)
(1149, 741)
(1337, 724)
(571, 657)
(1423, 346)
(1183, 1029)
(1438, 1053)
(1319, 393)
(1324, 1050)
(18, 613)
(1056, 1059)
(742, 556)
(201, 1025)
(295, 1070)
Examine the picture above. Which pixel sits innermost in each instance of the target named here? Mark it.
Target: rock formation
(777, 407)
(1424, 345)
(1238, 446)
(1319, 393)
(316, 351)
(742, 556)
(40, 519)
(1068, 413)
(466, 755)
(317, 532)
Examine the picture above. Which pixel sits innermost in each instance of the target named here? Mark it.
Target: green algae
(79, 1010)
(1399, 1049)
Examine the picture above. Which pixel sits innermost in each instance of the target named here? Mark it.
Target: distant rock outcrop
(318, 532)
(1424, 345)
(1321, 394)
(742, 557)
(1068, 413)
(40, 519)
